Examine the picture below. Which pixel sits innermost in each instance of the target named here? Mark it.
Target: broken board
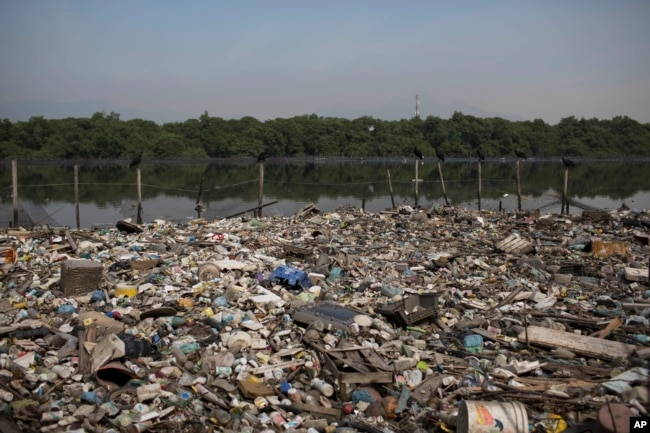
(590, 346)
(515, 244)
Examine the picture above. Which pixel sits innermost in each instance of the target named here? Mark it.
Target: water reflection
(108, 193)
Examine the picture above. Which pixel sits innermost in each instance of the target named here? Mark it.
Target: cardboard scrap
(111, 347)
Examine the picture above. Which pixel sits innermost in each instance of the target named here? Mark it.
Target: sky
(277, 59)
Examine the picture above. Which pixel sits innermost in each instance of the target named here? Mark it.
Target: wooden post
(442, 181)
(14, 182)
(83, 355)
(76, 195)
(139, 187)
(417, 180)
(390, 190)
(479, 185)
(198, 199)
(565, 198)
(260, 190)
(518, 189)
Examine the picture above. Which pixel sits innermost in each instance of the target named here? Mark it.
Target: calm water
(107, 192)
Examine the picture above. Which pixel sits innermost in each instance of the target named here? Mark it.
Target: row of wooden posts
(14, 182)
(565, 201)
(260, 195)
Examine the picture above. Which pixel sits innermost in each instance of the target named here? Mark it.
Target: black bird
(568, 163)
(418, 153)
(440, 155)
(136, 161)
(480, 155)
(520, 154)
(262, 156)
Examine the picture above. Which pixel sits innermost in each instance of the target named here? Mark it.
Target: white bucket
(492, 416)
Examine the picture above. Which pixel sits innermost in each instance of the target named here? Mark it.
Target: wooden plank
(365, 378)
(328, 412)
(282, 365)
(612, 325)
(643, 352)
(354, 360)
(548, 383)
(356, 377)
(492, 336)
(515, 244)
(376, 360)
(590, 346)
(343, 359)
(595, 215)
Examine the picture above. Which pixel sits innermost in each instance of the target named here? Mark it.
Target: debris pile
(397, 321)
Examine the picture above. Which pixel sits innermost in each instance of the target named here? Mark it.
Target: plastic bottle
(190, 347)
(66, 309)
(323, 387)
(180, 356)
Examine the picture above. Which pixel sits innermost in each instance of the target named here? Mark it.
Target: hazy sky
(534, 59)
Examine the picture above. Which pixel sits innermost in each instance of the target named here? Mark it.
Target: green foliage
(105, 136)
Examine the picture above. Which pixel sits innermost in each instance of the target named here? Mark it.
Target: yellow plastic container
(128, 290)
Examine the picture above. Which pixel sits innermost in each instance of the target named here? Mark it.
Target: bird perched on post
(440, 155)
(418, 153)
(568, 163)
(135, 163)
(520, 154)
(262, 156)
(480, 155)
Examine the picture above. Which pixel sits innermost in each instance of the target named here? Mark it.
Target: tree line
(106, 136)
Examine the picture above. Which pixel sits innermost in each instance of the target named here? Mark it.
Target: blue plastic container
(473, 343)
(290, 277)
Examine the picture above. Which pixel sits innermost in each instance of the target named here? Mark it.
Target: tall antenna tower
(417, 106)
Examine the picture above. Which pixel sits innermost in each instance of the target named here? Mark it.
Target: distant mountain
(23, 110)
(404, 108)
